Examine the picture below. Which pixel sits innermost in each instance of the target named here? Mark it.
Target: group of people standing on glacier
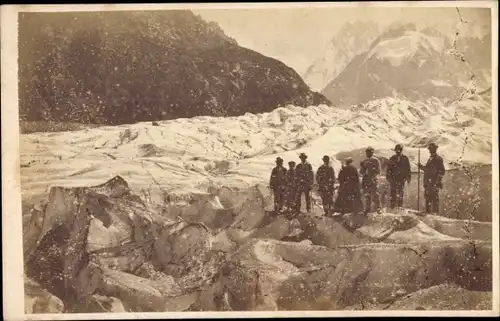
(288, 185)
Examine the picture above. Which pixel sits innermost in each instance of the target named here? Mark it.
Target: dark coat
(291, 180)
(305, 175)
(349, 178)
(370, 169)
(398, 170)
(433, 171)
(278, 177)
(325, 177)
(349, 194)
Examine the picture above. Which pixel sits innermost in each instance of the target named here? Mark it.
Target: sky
(297, 36)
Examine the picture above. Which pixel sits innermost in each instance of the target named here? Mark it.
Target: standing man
(433, 175)
(291, 189)
(370, 169)
(277, 184)
(305, 178)
(325, 177)
(398, 172)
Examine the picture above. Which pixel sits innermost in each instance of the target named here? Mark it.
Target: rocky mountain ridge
(416, 63)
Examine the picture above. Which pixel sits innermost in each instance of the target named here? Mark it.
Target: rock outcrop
(101, 249)
(38, 300)
(95, 240)
(274, 275)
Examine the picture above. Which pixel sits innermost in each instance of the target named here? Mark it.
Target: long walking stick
(418, 182)
(310, 200)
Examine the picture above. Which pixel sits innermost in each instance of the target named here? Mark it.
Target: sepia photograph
(334, 158)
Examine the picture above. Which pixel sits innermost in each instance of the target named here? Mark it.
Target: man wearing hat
(433, 175)
(370, 169)
(398, 172)
(277, 184)
(291, 189)
(325, 177)
(305, 180)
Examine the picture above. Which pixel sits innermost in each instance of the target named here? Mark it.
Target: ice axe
(418, 182)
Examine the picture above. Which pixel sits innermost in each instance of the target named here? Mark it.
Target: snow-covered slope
(396, 51)
(187, 155)
(352, 39)
(417, 63)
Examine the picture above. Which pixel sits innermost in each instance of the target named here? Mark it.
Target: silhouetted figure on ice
(291, 189)
(305, 178)
(370, 169)
(433, 175)
(398, 172)
(349, 193)
(325, 177)
(277, 183)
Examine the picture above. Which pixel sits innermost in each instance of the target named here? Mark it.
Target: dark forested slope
(130, 66)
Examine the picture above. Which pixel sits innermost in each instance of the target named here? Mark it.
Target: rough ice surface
(185, 156)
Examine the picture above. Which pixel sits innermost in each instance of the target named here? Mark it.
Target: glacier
(186, 156)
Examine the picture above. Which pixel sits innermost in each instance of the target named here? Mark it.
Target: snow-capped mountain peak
(417, 63)
(397, 50)
(349, 41)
